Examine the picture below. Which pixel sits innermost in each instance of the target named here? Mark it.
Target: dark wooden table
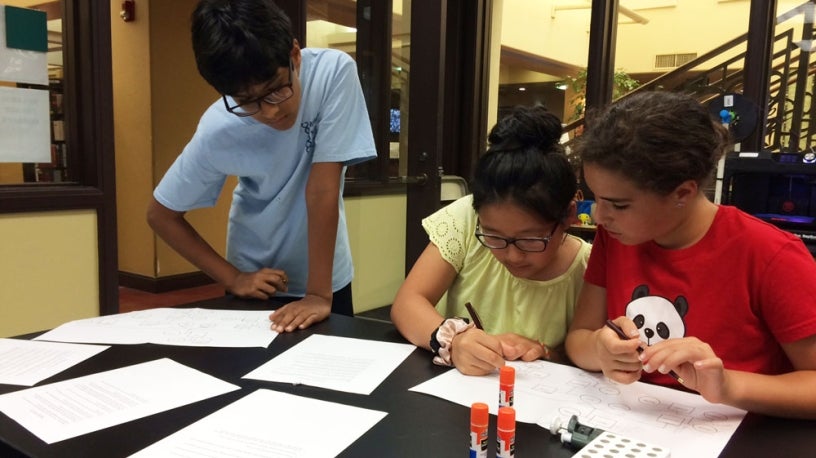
(417, 425)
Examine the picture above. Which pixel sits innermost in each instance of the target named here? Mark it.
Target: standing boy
(289, 122)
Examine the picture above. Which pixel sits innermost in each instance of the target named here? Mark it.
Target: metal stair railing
(786, 118)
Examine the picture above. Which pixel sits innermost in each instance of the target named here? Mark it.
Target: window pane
(55, 168)
(333, 24)
(400, 64)
(542, 48)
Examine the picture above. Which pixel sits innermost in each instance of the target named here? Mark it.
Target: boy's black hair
(526, 165)
(240, 43)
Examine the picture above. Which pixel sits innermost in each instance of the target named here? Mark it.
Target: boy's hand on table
(262, 284)
(300, 314)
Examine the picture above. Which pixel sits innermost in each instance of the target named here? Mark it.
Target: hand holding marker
(611, 325)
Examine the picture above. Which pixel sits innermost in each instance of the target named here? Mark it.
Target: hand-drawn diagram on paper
(167, 326)
(683, 422)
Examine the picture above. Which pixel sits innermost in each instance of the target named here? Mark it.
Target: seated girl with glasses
(505, 250)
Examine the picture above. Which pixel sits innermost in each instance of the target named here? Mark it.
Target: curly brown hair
(656, 139)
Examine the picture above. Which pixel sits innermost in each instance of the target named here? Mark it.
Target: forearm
(323, 215)
(413, 311)
(580, 349)
(590, 314)
(415, 318)
(788, 395)
(174, 229)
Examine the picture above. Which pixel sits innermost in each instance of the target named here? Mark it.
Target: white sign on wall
(18, 65)
(25, 130)
(25, 120)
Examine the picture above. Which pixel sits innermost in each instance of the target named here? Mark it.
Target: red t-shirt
(743, 288)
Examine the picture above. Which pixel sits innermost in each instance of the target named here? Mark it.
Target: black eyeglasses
(278, 95)
(528, 244)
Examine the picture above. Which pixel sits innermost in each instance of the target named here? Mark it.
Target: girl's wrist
(442, 339)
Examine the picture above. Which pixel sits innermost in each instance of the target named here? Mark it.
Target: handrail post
(761, 25)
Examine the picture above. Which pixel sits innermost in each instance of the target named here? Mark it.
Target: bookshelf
(55, 171)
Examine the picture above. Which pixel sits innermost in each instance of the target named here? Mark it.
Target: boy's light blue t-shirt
(268, 220)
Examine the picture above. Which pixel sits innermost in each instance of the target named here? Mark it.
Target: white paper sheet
(683, 422)
(71, 408)
(272, 425)
(25, 362)
(336, 363)
(25, 125)
(169, 326)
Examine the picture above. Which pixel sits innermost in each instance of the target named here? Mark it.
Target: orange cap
(479, 413)
(507, 418)
(507, 375)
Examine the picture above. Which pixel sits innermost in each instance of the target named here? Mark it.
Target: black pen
(611, 325)
(474, 316)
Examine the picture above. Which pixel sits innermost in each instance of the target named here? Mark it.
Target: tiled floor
(134, 299)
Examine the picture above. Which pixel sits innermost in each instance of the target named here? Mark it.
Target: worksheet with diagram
(683, 422)
(193, 327)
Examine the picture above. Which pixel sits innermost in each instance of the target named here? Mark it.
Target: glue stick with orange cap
(507, 381)
(479, 414)
(506, 432)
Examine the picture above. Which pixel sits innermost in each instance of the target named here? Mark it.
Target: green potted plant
(621, 84)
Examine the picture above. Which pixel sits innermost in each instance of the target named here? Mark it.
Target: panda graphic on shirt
(657, 318)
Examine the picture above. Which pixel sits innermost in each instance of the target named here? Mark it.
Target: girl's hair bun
(525, 127)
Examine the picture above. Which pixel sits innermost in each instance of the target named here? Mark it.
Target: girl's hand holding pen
(619, 358)
(475, 352)
(644, 355)
(483, 355)
(479, 353)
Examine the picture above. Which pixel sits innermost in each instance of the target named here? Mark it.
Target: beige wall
(158, 98)
(49, 267)
(377, 236)
(133, 137)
